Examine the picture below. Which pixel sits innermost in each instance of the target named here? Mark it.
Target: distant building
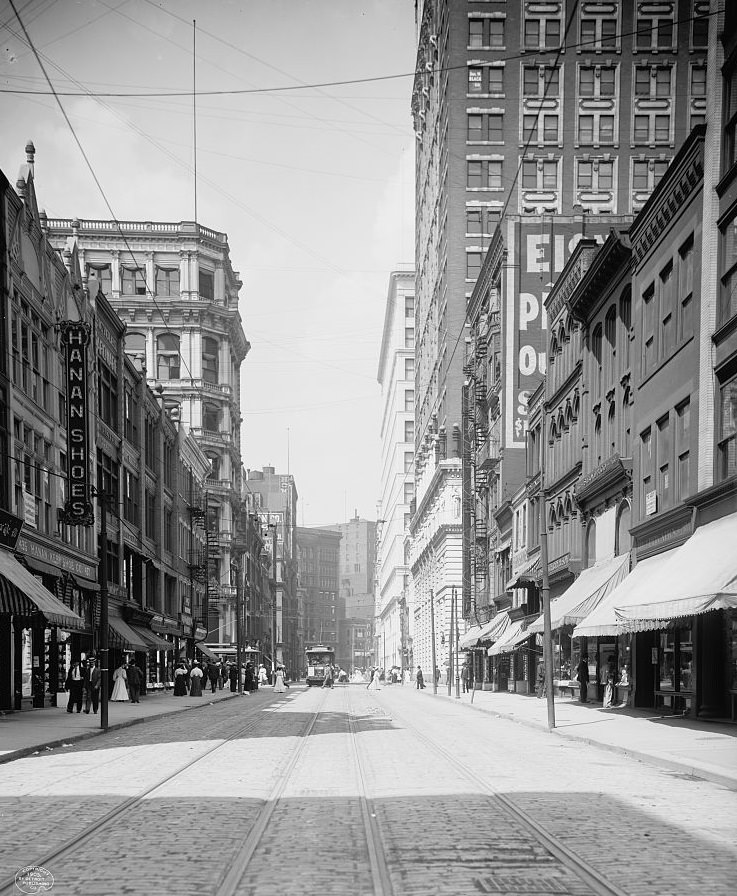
(394, 608)
(357, 583)
(318, 585)
(274, 498)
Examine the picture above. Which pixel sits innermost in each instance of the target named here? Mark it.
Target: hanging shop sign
(75, 336)
(10, 528)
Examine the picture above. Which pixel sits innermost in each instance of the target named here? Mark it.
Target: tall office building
(318, 576)
(394, 611)
(173, 286)
(535, 122)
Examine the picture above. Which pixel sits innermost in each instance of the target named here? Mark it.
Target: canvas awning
(205, 651)
(602, 621)
(470, 639)
(511, 639)
(21, 593)
(495, 628)
(152, 639)
(123, 636)
(700, 576)
(586, 593)
(525, 575)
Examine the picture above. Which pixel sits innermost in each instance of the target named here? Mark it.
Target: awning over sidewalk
(470, 639)
(699, 577)
(123, 636)
(525, 575)
(602, 621)
(511, 639)
(21, 593)
(205, 651)
(585, 594)
(152, 639)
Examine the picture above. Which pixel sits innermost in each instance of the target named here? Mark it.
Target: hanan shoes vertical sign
(75, 336)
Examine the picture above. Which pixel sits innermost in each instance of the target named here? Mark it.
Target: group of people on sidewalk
(191, 678)
(83, 685)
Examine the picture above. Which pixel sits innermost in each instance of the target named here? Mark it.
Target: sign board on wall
(75, 336)
(540, 246)
(651, 503)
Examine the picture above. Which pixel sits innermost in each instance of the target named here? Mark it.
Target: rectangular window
(665, 494)
(409, 400)
(409, 491)
(667, 319)
(473, 221)
(207, 285)
(475, 130)
(409, 430)
(662, 128)
(550, 128)
(608, 33)
(646, 469)
(475, 80)
(409, 337)
(529, 175)
(167, 281)
(730, 119)
(685, 290)
(550, 175)
(641, 130)
(409, 368)
(531, 80)
(496, 32)
(409, 306)
(585, 175)
(108, 395)
(648, 336)
(474, 174)
(727, 445)
(532, 33)
(494, 178)
(104, 275)
(475, 33)
(588, 34)
(662, 81)
(408, 461)
(585, 128)
(496, 79)
(134, 282)
(606, 175)
(683, 446)
(728, 268)
(473, 265)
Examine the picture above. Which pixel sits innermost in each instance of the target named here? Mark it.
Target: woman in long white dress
(120, 690)
(279, 685)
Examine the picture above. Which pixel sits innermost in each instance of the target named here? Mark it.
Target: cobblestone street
(353, 792)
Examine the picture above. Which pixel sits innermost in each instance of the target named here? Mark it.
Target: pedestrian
(420, 679)
(249, 681)
(195, 680)
(263, 677)
(75, 685)
(181, 680)
(373, 684)
(120, 690)
(92, 687)
(134, 677)
(280, 685)
(540, 688)
(327, 681)
(213, 674)
(582, 671)
(609, 678)
(233, 677)
(464, 677)
(437, 675)
(222, 674)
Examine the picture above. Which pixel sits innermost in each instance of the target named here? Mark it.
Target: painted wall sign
(75, 336)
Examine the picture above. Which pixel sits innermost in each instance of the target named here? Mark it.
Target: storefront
(514, 659)
(34, 636)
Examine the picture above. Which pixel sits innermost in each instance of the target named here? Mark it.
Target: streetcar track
(108, 818)
(586, 872)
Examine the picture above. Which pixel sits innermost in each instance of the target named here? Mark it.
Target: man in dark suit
(92, 686)
(75, 684)
(135, 677)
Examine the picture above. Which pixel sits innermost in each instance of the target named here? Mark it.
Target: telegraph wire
(532, 52)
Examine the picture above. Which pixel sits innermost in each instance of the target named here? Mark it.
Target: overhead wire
(511, 57)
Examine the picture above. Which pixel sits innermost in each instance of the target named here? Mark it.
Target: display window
(675, 660)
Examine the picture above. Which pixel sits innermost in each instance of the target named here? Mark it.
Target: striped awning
(123, 636)
(22, 594)
(154, 641)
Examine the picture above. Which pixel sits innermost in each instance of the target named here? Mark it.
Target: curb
(88, 735)
(672, 765)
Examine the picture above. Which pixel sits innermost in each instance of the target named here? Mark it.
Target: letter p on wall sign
(75, 336)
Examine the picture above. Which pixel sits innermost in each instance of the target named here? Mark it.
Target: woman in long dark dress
(181, 678)
(195, 681)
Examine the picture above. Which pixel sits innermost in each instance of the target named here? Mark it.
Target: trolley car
(317, 658)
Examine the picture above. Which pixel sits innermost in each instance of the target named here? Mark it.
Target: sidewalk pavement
(694, 747)
(31, 731)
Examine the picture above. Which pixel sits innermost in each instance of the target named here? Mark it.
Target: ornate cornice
(570, 277)
(600, 276)
(613, 473)
(683, 177)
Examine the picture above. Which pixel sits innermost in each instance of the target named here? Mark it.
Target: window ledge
(725, 329)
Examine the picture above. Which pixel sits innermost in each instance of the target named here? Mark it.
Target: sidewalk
(701, 749)
(31, 731)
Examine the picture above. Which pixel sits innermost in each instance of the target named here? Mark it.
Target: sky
(314, 186)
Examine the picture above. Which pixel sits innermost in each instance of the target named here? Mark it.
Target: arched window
(167, 356)
(623, 539)
(210, 360)
(596, 352)
(610, 334)
(597, 440)
(626, 425)
(612, 430)
(625, 314)
(135, 344)
(591, 543)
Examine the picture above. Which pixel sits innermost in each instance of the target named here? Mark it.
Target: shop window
(727, 428)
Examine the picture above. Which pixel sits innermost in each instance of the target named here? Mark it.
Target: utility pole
(547, 632)
(455, 643)
(104, 644)
(273, 602)
(238, 631)
(450, 639)
(432, 642)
